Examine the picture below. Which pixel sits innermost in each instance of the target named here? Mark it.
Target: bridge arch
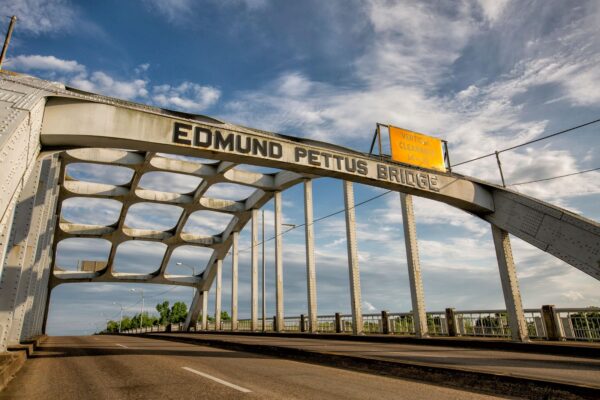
(63, 127)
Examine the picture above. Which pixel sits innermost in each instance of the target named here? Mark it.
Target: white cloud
(101, 82)
(44, 63)
(493, 8)
(187, 96)
(172, 9)
(40, 16)
(573, 295)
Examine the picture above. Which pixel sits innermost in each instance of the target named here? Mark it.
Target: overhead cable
(529, 142)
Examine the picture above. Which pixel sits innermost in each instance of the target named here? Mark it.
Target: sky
(482, 74)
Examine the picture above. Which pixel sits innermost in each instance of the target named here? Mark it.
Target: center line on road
(221, 381)
(122, 345)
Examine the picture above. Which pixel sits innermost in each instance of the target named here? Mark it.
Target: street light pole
(121, 319)
(180, 264)
(142, 312)
(193, 269)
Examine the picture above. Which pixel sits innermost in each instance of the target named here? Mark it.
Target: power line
(529, 142)
(555, 177)
(322, 218)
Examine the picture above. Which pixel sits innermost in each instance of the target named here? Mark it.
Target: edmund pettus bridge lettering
(235, 142)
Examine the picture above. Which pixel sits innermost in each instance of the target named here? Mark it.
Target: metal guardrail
(581, 324)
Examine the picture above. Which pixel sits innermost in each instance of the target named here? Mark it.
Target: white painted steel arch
(84, 127)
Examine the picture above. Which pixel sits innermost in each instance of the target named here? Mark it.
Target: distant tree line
(175, 314)
(167, 314)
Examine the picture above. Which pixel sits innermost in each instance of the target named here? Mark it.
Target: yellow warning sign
(416, 149)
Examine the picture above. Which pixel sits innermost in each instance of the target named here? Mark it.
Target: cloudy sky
(483, 74)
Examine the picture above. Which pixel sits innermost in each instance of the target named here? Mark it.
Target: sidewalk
(507, 372)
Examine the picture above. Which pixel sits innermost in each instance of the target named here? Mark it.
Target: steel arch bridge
(46, 126)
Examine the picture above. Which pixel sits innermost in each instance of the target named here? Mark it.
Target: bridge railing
(581, 324)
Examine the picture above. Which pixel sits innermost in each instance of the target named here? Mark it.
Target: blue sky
(483, 74)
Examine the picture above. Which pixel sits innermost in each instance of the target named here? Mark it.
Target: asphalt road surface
(118, 367)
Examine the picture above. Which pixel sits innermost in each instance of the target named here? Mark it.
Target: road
(121, 367)
(576, 370)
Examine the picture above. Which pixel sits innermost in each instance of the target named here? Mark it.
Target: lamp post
(180, 264)
(142, 312)
(120, 319)
(193, 269)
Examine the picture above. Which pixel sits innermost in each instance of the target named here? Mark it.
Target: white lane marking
(221, 381)
(122, 345)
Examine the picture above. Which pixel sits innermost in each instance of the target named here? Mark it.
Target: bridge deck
(576, 370)
(118, 367)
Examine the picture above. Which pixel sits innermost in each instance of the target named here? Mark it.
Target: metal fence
(573, 324)
(579, 323)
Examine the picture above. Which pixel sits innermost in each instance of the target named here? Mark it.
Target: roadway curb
(13, 360)
(558, 348)
(494, 383)
(10, 363)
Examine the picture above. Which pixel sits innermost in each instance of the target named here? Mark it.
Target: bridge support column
(414, 266)
(38, 255)
(218, 283)
(204, 316)
(278, 264)
(21, 248)
(194, 313)
(353, 270)
(510, 285)
(311, 278)
(234, 281)
(417, 294)
(254, 273)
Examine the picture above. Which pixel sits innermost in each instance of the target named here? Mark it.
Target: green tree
(178, 312)
(164, 311)
(126, 323)
(112, 326)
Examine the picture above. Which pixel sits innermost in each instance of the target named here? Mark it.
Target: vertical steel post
(379, 141)
(234, 282)
(264, 277)
(218, 282)
(510, 285)
(204, 317)
(254, 273)
(414, 266)
(500, 169)
(311, 278)
(447, 155)
(278, 263)
(353, 269)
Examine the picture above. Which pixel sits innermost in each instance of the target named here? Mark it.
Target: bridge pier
(234, 281)
(278, 265)
(510, 285)
(353, 269)
(24, 264)
(218, 284)
(414, 266)
(38, 256)
(311, 278)
(254, 273)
